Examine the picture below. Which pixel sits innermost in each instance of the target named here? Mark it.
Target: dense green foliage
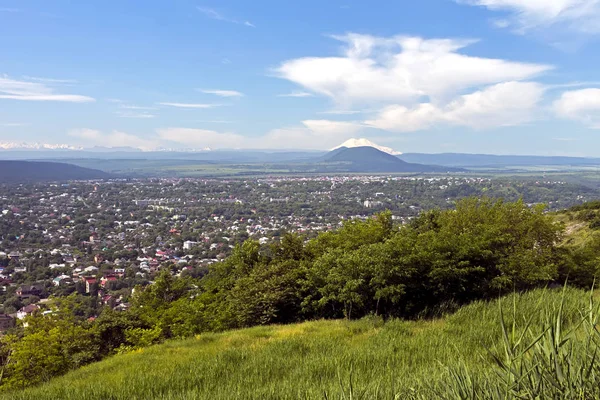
(442, 260)
(451, 358)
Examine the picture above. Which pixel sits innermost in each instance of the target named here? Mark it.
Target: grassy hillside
(364, 359)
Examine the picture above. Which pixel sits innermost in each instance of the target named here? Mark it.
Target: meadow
(496, 349)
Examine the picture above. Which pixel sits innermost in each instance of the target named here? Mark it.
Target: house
(27, 291)
(61, 280)
(14, 256)
(108, 300)
(6, 322)
(188, 244)
(27, 311)
(90, 281)
(105, 280)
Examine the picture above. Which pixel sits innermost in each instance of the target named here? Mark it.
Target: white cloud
(114, 139)
(401, 70)
(133, 107)
(50, 81)
(580, 105)
(13, 124)
(190, 105)
(87, 134)
(341, 112)
(315, 134)
(30, 90)
(132, 114)
(201, 137)
(577, 15)
(222, 93)
(504, 104)
(214, 14)
(296, 94)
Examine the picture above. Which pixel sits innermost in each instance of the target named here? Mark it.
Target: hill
(37, 171)
(366, 359)
(370, 159)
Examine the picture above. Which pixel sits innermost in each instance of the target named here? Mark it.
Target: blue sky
(476, 76)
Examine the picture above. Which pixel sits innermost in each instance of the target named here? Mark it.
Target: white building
(188, 244)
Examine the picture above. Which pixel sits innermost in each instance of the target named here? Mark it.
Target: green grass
(364, 359)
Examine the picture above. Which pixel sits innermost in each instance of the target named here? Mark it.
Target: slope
(370, 159)
(317, 360)
(36, 171)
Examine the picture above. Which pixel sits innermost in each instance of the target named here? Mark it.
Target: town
(100, 240)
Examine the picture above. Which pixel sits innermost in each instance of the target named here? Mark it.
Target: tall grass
(540, 344)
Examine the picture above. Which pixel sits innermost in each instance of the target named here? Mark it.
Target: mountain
(35, 146)
(370, 159)
(34, 171)
(487, 160)
(362, 142)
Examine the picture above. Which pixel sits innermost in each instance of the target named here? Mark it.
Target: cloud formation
(577, 15)
(113, 139)
(580, 105)
(296, 94)
(36, 90)
(214, 14)
(401, 69)
(312, 134)
(190, 105)
(222, 93)
(504, 104)
(201, 138)
(413, 84)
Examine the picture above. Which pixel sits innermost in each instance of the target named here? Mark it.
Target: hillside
(328, 359)
(370, 159)
(37, 171)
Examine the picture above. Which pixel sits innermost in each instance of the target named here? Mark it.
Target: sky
(431, 76)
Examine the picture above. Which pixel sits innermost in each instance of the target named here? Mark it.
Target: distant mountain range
(33, 171)
(355, 155)
(486, 160)
(36, 146)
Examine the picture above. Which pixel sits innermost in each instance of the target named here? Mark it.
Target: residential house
(89, 281)
(107, 279)
(27, 311)
(27, 291)
(61, 280)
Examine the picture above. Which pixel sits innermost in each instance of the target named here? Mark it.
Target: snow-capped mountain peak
(362, 142)
(36, 146)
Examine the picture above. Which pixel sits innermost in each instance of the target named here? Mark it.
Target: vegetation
(439, 262)
(540, 350)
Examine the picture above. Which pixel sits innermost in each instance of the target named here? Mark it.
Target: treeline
(443, 259)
